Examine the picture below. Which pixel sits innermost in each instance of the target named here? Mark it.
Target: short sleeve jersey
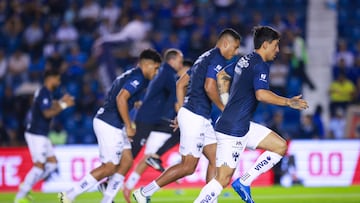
(160, 97)
(250, 74)
(135, 83)
(37, 122)
(206, 66)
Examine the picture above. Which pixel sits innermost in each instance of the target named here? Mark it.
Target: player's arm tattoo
(223, 82)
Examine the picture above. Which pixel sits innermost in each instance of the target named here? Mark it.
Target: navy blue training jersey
(206, 66)
(38, 123)
(250, 73)
(134, 82)
(160, 98)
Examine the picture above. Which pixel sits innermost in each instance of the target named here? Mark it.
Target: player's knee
(188, 169)
(282, 148)
(109, 169)
(39, 165)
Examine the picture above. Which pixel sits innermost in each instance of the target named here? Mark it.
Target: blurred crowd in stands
(39, 34)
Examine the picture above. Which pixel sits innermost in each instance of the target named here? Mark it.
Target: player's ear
(265, 44)
(225, 43)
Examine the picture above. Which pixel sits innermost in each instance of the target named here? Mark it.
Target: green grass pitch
(273, 194)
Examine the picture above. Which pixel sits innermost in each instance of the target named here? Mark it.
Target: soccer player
(43, 109)
(154, 159)
(197, 133)
(235, 130)
(113, 128)
(154, 115)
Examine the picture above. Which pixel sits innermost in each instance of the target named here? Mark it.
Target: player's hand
(137, 104)
(174, 124)
(297, 103)
(130, 132)
(68, 99)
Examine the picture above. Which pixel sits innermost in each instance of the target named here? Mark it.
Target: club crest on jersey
(235, 156)
(135, 83)
(199, 146)
(263, 77)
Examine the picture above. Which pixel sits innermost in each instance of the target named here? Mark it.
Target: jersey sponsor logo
(263, 163)
(84, 184)
(135, 83)
(115, 185)
(208, 198)
(263, 77)
(218, 68)
(243, 62)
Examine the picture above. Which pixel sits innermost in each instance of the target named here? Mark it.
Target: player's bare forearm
(59, 105)
(267, 96)
(54, 110)
(212, 92)
(181, 86)
(123, 108)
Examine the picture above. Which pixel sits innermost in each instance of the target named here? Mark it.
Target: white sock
(132, 180)
(264, 163)
(49, 168)
(150, 189)
(209, 192)
(116, 182)
(86, 183)
(32, 177)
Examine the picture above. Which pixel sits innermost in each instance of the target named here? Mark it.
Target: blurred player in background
(235, 130)
(113, 128)
(43, 109)
(154, 159)
(197, 133)
(154, 116)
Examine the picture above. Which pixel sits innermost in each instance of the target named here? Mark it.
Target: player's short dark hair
(51, 72)
(230, 32)
(150, 54)
(264, 34)
(171, 54)
(188, 62)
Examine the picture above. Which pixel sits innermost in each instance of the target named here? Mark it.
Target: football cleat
(243, 191)
(63, 198)
(27, 199)
(102, 188)
(23, 200)
(155, 163)
(139, 197)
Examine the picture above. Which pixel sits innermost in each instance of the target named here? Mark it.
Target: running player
(154, 159)
(197, 133)
(43, 109)
(113, 128)
(235, 130)
(154, 116)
